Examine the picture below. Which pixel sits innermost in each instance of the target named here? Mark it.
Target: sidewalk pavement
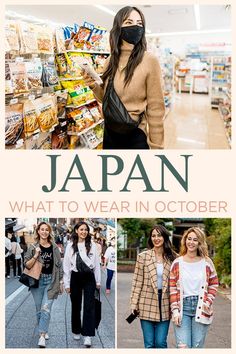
(20, 319)
(130, 335)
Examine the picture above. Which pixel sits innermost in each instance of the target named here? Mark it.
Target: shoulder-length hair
(202, 250)
(137, 53)
(75, 238)
(36, 233)
(168, 252)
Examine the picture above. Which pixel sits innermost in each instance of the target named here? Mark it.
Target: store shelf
(85, 130)
(82, 104)
(85, 52)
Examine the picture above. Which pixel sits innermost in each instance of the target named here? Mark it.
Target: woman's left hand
(98, 286)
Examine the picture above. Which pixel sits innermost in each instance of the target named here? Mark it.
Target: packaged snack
(62, 64)
(19, 77)
(74, 142)
(98, 130)
(34, 71)
(90, 139)
(96, 37)
(86, 64)
(8, 81)
(47, 117)
(73, 61)
(30, 118)
(49, 77)
(44, 40)
(60, 40)
(99, 61)
(59, 138)
(76, 91)
(41, 141)
(61, 104)
(28, 38)
(11, 33)
(95, 111)
(13, 123)
(81, 37)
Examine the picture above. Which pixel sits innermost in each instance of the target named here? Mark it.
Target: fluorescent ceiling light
(105, 9)
(160, 34)
(197, 16)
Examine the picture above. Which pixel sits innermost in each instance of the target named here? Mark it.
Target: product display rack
(167, 66)
(50, 102)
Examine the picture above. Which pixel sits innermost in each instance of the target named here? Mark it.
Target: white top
(8, 246)
(160, 268)
(192, 276)
(92, 261)
(110, 257)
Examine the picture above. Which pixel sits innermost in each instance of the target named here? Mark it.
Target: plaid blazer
(144, 293)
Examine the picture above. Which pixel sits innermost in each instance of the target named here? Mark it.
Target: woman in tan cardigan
(150, 288)
(135, 76)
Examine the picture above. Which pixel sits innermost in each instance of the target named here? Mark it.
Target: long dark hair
(168, 252)
(75, 238)
(137, 53)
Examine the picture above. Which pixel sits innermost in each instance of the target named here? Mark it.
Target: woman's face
(192, 242)
(133, 19)
(157, 239)
(82, 232)
(43, 232)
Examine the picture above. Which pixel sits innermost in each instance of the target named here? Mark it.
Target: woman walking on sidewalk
(193, 287)
(150, 288)
(110, 264)
(82, 275)
(51, 279)
(15, 256)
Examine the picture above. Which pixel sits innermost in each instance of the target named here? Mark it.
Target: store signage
(137, 172)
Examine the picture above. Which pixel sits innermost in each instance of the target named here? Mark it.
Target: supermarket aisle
(192, 124)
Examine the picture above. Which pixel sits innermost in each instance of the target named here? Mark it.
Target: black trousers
(7, 265)
(16, 262)
(136, 139)
(79, 285)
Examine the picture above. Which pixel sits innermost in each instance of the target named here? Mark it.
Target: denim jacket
(57, 272)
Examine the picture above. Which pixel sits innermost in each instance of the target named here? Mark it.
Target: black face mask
(132, 34)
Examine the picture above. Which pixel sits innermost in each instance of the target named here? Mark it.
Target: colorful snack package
(44, 39)
(95, 111)
(28, 38)
(81, 37)
(47, 117)
(34, 71)
(60, 40)
(30, 118)
(19, 77)
(62, 64)
(49, 77)
(61, 104)
(13, 123)
(99, 61)
(41, 141)
(73, 61)
(8, 80)
(59, 138)
(11, 34)
(96, 37)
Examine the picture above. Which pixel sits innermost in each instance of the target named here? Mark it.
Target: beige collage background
(212, 176)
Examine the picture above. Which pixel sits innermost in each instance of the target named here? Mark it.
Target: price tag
(62, 124)
(14, 101)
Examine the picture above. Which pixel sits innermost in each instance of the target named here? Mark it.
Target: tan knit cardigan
(143, 94)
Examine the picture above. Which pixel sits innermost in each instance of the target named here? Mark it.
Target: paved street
(21, 331)
(130, 335)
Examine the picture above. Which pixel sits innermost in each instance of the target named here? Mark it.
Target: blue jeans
(155, 333)
(109, 278)
(191, 333)
(42, 303)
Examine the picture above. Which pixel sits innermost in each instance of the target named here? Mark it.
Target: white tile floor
(192, 124)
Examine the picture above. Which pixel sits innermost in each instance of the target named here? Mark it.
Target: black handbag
(81, 266)
(115, 114)
(28, 281)
(98, 308)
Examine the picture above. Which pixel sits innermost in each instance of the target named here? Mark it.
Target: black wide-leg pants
(83, 284)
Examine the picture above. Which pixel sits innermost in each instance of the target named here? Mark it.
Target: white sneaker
(87, 341)
(41, 342)
(46, 336)
(76, 336)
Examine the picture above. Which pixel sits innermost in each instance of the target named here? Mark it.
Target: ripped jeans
(42, 303)
(190, 334)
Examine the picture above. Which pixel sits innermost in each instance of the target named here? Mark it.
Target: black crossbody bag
(82, 266)
(115, 114)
